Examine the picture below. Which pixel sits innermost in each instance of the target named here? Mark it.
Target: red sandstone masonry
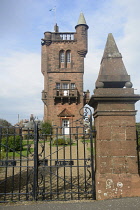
(55, 73)
(109, 186)
(114, 114)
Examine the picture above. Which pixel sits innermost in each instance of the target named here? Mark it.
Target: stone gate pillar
(114, 116)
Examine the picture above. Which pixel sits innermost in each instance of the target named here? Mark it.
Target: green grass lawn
(16, 154)
(86, 140)
(23, 153)
(26, 142)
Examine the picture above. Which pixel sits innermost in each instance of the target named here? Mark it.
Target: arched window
(65, 59)
(68, 59)
(62, 57)
(68, 56)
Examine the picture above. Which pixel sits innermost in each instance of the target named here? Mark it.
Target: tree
(46, 129)
(4, 123)
(6, 127)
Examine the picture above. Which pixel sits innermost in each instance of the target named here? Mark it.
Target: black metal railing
(16, 164)
(47, 166)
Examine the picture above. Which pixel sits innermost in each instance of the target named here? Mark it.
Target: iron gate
(54, 166)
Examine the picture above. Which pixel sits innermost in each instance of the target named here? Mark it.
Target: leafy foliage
(6, 127)
(59, 141)
(28, 136)
(46, 129)
(11, 143)
(4, 123)
(62, 141)
(138, 132)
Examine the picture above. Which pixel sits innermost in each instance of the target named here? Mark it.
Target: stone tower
(63, 68)
(114, 116)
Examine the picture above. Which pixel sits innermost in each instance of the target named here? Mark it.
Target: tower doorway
(65, 125)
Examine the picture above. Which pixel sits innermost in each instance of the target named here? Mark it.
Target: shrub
(69, 141)
(28, 136)
(12, 143)
(62, 141)
(59, 142)
(2, 155)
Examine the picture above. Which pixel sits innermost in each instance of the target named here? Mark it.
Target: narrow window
(65, 86)
(68, 56)
(62, 56)
(61, 59)
(57, 85)
(72, 85)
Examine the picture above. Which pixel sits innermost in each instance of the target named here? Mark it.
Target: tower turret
(81, 35)
(62, 64)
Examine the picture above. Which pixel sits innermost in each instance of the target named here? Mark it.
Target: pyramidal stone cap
(112, 72)
(111, 49)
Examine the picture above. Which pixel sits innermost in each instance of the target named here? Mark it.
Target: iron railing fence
(16, 163)
(53, 166)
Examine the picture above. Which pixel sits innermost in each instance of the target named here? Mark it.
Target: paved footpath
(114, 204)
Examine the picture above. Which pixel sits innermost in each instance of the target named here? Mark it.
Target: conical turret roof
(112, 71)
(81, 19)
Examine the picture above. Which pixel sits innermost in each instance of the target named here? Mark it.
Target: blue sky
(22, 25)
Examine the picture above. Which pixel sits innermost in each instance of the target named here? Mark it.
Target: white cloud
(21, 73)
(21, 84)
